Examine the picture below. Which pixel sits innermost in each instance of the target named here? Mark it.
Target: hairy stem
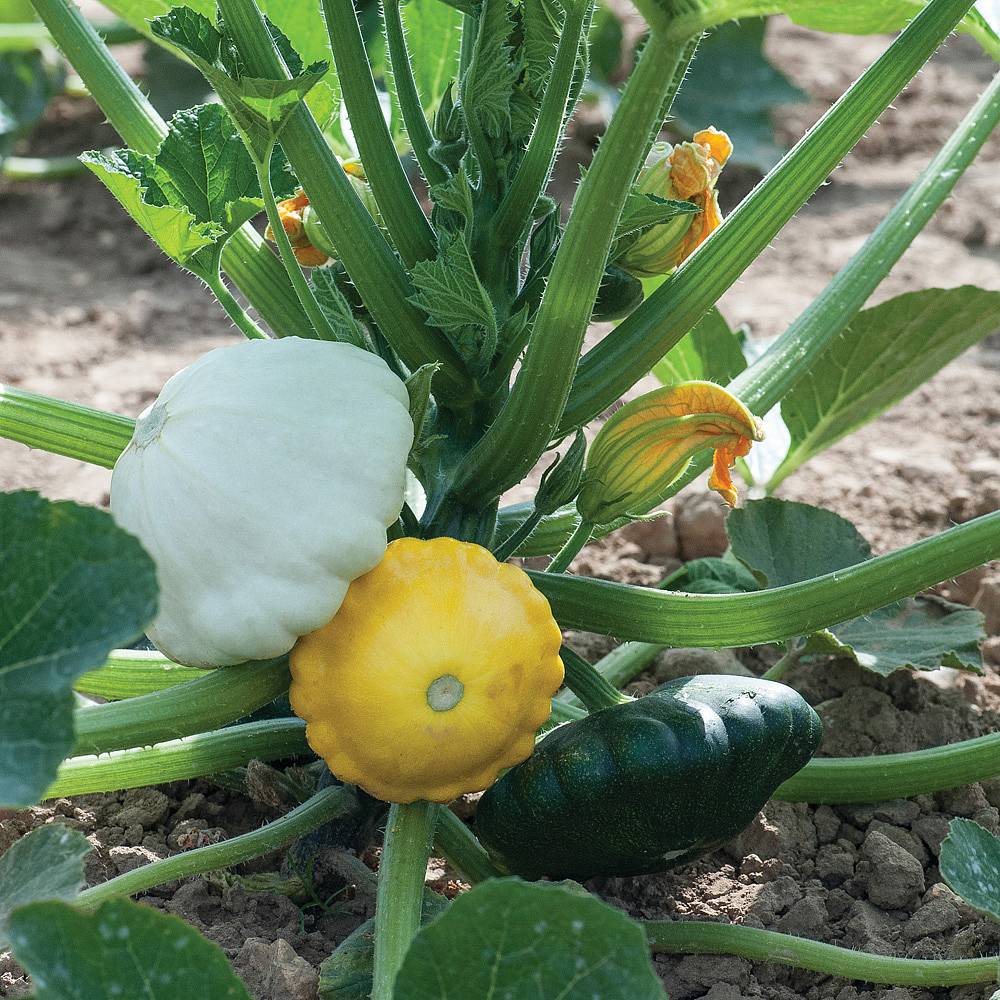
(213, 700)
(574, 545)
(234, 310)
(462, 848)
(401, 876)
(586, 682)
(325, 805)
(409, 229)
(687, 937)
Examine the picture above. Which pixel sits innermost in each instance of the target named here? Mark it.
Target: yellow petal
(720, 146)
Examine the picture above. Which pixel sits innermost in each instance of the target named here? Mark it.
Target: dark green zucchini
(651, 784)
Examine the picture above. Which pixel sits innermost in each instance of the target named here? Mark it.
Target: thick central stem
(406, 848)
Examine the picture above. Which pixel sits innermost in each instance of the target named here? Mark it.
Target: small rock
(835, 864)
(932, 830)
(275, 971)
(869, 928)
(190, 834)
(896, 876)
(934, 917)
(964, 801)
(805, 917)
(987, 600)
(657, 539)
(838, 903)
(899, 812)
(908, 841)
(707, 970)
(126, 859)
(827, 825)
(701, 525)
(143, 806)
(724, 991)
(674, 663)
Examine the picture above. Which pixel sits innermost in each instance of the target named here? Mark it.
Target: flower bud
(688, 172)
(561, 481)
(645, 447)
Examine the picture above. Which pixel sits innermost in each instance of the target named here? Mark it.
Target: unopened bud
(561, 481)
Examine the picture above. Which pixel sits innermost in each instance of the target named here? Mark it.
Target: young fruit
(262, 481)
(433, 676)
(650, 784)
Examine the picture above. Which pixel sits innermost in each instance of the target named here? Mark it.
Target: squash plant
(319, 509)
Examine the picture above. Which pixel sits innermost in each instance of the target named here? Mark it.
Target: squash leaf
(336, 308)
(74, 587)
(449, 291)
(731, 84)
(46, 864)
(194, 194)
(260, 106)
(488, 83)
(123, 950)
(970, 864)
(508, 938)
(783, 542)
(884, 354)
(710, 353)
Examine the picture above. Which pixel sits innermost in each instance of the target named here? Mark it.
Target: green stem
(401, 876)
(246, 259)
(688, 937)
(62, 428)
(211, 701)
(774, 615)
(462, 849)
(518, 536)
(528, 420)
(621, 665)
(191, 757)
(234, 310)
(414, 119)
(41, 168)
(325, 805)
(408, 227)
(563, 711)
(635, 345)
(377, 273)
(128, 673)
(518, 205)
(572, 548)
(896, 775)
(305, 295)
(586, 682)
(790, 659)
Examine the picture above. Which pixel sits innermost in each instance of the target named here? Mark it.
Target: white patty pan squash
(262, 481)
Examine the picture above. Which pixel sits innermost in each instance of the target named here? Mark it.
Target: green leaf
(74, 587)
(47, 864)
(455, 195)
(606, 41)
(488, 83)
(259, 106)
(921, 633)
(712, 575)
(710, 352)
(336, 308)
(433, 36)
(507, 938)
(194, 194)
(122, 950)
(449, 291)
(642, 211)
(783, 542)
(885, 354)
(731, 85)
(970, 864)
(28, 81)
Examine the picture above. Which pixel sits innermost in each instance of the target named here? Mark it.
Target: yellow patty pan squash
(433, 676)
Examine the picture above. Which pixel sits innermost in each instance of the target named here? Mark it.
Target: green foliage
(506, 938)
(46, 864)
(450, 292)
(336, 308)
(886, 353)
(970, 864)
(433, 35)
(732, 85)
(122, 949)
(488, 83)
(168, 197)
(710, 352)
(28, 81)
(75, 586)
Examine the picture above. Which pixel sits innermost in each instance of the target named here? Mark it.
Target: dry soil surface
(90, 311)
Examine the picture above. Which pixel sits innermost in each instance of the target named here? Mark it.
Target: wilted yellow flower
(290, 211)
(687, 172)
(646, 446)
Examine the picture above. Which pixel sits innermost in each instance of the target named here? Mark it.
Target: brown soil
(91, 312)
